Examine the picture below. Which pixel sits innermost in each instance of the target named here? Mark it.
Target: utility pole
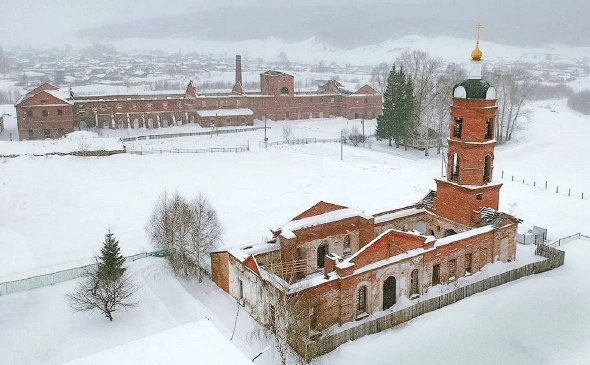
(341, 146)
(363, 124)
(265, 139)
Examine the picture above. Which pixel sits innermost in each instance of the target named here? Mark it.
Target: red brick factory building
(50, 112)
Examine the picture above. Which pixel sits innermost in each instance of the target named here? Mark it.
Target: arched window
(488, 133)
(455, 168)
(284, 91)
(322, 252)
(458, 128)
(389, 292)
(449, 232)
(414, 284)
(421, 227)
(346, 246)
(361, 300)
(487, 169)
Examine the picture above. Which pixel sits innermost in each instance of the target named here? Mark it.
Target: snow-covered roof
(399, 214)
(462, 235)
(63, 94)
(274, 73)
(333, 216)
(225, 112)
(198, 341)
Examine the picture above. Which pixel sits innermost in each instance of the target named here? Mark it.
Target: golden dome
(476, 53)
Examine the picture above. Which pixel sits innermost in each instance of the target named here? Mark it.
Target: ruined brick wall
(220, 269)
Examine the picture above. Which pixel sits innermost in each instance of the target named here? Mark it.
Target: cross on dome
(476, 54)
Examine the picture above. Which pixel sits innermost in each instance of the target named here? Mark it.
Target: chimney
(239, 69)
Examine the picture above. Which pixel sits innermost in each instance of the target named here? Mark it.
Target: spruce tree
(398, 105)
(110, 261)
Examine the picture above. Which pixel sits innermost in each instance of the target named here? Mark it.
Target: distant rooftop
(274, 73)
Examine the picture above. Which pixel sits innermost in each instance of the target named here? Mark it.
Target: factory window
(60, 112)
(45, 112)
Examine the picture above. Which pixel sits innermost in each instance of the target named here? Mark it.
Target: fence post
(545, 184)
(557, 190)
(502, 174)
(512, 177)
(569, 192)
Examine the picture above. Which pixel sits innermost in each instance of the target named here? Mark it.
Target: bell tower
(468, 185)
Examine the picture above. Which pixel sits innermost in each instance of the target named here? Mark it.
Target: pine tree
(398, 105)
(110, 261)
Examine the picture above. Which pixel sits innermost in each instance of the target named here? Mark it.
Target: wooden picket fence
(328, 343)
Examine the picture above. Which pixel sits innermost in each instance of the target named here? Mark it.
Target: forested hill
(523, 22)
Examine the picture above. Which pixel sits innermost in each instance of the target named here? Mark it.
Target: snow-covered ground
(194, 343)
(73, 200)
(80, 141)
(522, 322)
(55, 210)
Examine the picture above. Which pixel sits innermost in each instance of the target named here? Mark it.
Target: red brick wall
(220, 269)
(272, 85)
(59, 117)
(457, 203)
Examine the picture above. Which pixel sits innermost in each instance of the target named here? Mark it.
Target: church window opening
(361, 300)
(45, 112)
(414, 284)
(455, 169)
(436, 274)
(449, 232)
(468, 263)
(452, 269)
(322, 252)
(313, 318)
(240, 289)
(488, 129)
(458, 128)
(346, 246)
(487, 169)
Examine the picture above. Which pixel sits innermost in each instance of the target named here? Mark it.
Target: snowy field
(73, 200)
(54, 212)
(312, 50)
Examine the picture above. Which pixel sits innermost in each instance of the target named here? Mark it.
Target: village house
(342, 265)
(51, 112)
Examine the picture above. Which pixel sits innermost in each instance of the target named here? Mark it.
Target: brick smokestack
(239, 69)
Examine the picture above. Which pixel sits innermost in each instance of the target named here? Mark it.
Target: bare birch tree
(187, 230)
(379, 75)
(423, 70)
(513, 85)
(287, 324)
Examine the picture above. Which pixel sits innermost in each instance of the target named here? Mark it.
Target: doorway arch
(322, 252)
(389, 292)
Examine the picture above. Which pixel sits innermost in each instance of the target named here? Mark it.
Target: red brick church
(50, 112)
(345, 264)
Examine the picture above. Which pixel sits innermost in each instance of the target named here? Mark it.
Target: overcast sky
(37, 22)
